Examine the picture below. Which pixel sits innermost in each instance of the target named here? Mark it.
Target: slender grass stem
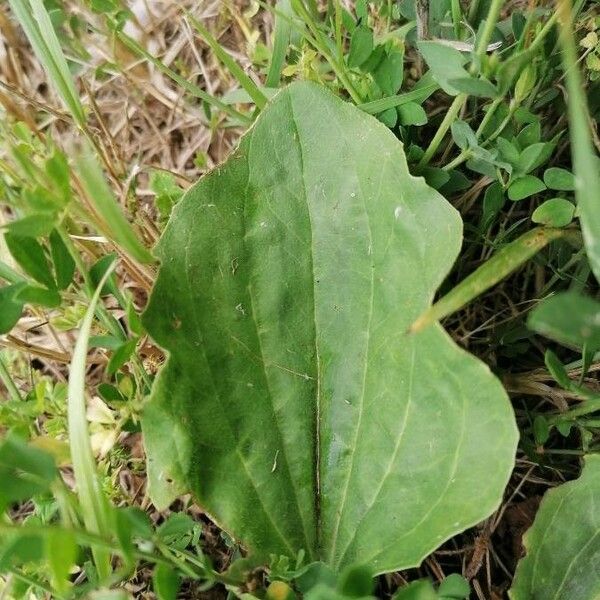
(486, 34)
(586, 408)
(443, 129)
(91, 496)
(9, 384)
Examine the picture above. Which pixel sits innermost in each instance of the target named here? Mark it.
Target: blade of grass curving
(115, 226)
(417, 95)
(281, 39)
(35, 21)
(502, 264)
(585, 160)
(242, 78)
(188, 86)
(94, 505)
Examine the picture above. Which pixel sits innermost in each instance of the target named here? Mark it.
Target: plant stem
(7, 380)
(473, 10)
(585, 408)
(486, 34)
(445, 125)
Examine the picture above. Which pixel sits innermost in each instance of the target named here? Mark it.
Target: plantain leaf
(294, 405)
(563, 544)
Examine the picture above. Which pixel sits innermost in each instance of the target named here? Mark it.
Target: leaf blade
(562, 560)
(288, 267)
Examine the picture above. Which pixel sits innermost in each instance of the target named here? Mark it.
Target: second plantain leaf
(294, 405)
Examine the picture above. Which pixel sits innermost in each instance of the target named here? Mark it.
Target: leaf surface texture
(294, 405)
(563, 544)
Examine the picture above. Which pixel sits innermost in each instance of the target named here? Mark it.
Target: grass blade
(416, 95)
(502, 264)
(242, 78)
(115, 226)
(281, 39)
(94, 506)
(585, 161)
(36, 23)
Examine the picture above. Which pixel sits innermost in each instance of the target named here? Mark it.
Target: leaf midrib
(317, 425)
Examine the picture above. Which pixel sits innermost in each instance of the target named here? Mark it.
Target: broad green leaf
(361, 46)
(525, 186)
(361, 9)
(563, 544)
(530, 134)
(557, 370)
(462, 134)
(165, 582)
(390, 71)
(176, 526)
(568, 318)
(35, 225)
(556, 178)
(10, 308)
(389, 117)
(356, 582)
(30, 255)
(493, 201)
(445, 63)
(454, 586)
(412, 113)
(64, 265)
(375, 59)
(19, 548)
(33, 294)
(121, 356)
(535, 155)
(556, 212)
(293, 404)
(421, 589)
(61, 553)
(24, 471)
(435, 177)
(507, 150)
